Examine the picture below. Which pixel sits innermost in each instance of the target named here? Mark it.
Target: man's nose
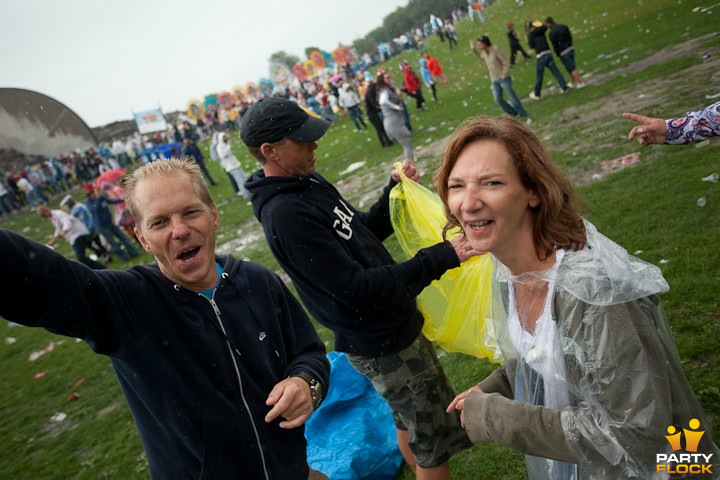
(180, 229)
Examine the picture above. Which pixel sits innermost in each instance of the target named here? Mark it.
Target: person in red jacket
(412, 85)
(435, 69)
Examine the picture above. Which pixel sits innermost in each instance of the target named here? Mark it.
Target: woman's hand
(458, 403)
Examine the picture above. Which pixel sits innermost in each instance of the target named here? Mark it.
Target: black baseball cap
(274, 118)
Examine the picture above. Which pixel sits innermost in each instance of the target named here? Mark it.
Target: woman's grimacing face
(487, 197)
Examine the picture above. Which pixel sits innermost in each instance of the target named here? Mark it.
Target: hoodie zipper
(218, 316)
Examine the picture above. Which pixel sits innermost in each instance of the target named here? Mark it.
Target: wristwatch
(316, 390)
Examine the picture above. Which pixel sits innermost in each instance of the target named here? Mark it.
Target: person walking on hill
(393, 113)
(543, 57)
(515, 46)
(350, 101)
(562, 43)
(500, 79)
(191, 150)
(427, 77)
(435, 68)
(99, 206)
(374, 113)
(412, 85)
(232, 165)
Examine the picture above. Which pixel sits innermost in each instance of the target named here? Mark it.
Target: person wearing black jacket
(562, 43)
(219, 364)
(543, 57)
(515, 46)
(375, 115)
(189, 149)
(350, 283)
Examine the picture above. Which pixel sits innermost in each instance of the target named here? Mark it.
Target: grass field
(644, 56)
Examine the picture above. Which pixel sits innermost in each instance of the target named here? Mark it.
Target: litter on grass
(39, 353)
(352, 167)
(58, 417)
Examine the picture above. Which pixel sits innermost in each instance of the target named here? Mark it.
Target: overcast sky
(105, 59)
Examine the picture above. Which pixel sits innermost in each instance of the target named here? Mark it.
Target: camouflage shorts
(414, 384)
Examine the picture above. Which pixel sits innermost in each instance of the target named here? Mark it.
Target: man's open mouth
(188, 254)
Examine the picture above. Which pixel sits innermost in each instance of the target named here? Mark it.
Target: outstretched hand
(650, 131)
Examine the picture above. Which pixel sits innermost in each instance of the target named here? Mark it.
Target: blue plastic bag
(352, 436)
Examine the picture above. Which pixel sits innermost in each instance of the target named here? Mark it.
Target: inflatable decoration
(299, 72)
(240, 93)
(226, 99)
(328, 59)
(211, 102)
(253, 92)
(317, 59)
(266, 87)
(342, 55)
(311, 68)
(280, 74)
(195, 110)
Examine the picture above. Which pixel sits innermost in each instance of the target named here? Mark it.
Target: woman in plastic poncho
(592, 383)
(393, 112)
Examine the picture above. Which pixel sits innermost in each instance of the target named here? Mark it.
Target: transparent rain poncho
(591, 365)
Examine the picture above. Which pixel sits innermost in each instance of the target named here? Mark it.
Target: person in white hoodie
(350, 101)
(231, 165)
(214, 143)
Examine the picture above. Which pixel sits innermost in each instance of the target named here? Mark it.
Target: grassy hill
(656, 57)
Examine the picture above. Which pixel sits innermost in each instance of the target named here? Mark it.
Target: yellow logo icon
(692, 437)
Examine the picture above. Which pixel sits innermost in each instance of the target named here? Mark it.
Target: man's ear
(268, 151)
(142, 240)
(216, 218)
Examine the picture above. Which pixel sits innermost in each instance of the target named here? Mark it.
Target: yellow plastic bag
(454, 306)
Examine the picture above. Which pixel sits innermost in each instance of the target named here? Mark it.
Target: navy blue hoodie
(344, 275)
(197, 394)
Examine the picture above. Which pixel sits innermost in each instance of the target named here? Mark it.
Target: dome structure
(35, 124)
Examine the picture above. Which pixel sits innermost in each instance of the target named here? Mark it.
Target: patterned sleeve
(695, 127)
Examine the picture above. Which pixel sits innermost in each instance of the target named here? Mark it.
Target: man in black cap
(349, 282)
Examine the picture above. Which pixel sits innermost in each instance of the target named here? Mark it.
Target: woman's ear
(534, 200)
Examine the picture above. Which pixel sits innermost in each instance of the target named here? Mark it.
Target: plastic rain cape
(454, 307)
(601, 353)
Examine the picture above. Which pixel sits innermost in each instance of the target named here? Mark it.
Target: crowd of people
(353, 91)
(221, 366)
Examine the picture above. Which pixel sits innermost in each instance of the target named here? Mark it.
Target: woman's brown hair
(556, 220)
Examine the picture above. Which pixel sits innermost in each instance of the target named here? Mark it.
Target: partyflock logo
(689, 462)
